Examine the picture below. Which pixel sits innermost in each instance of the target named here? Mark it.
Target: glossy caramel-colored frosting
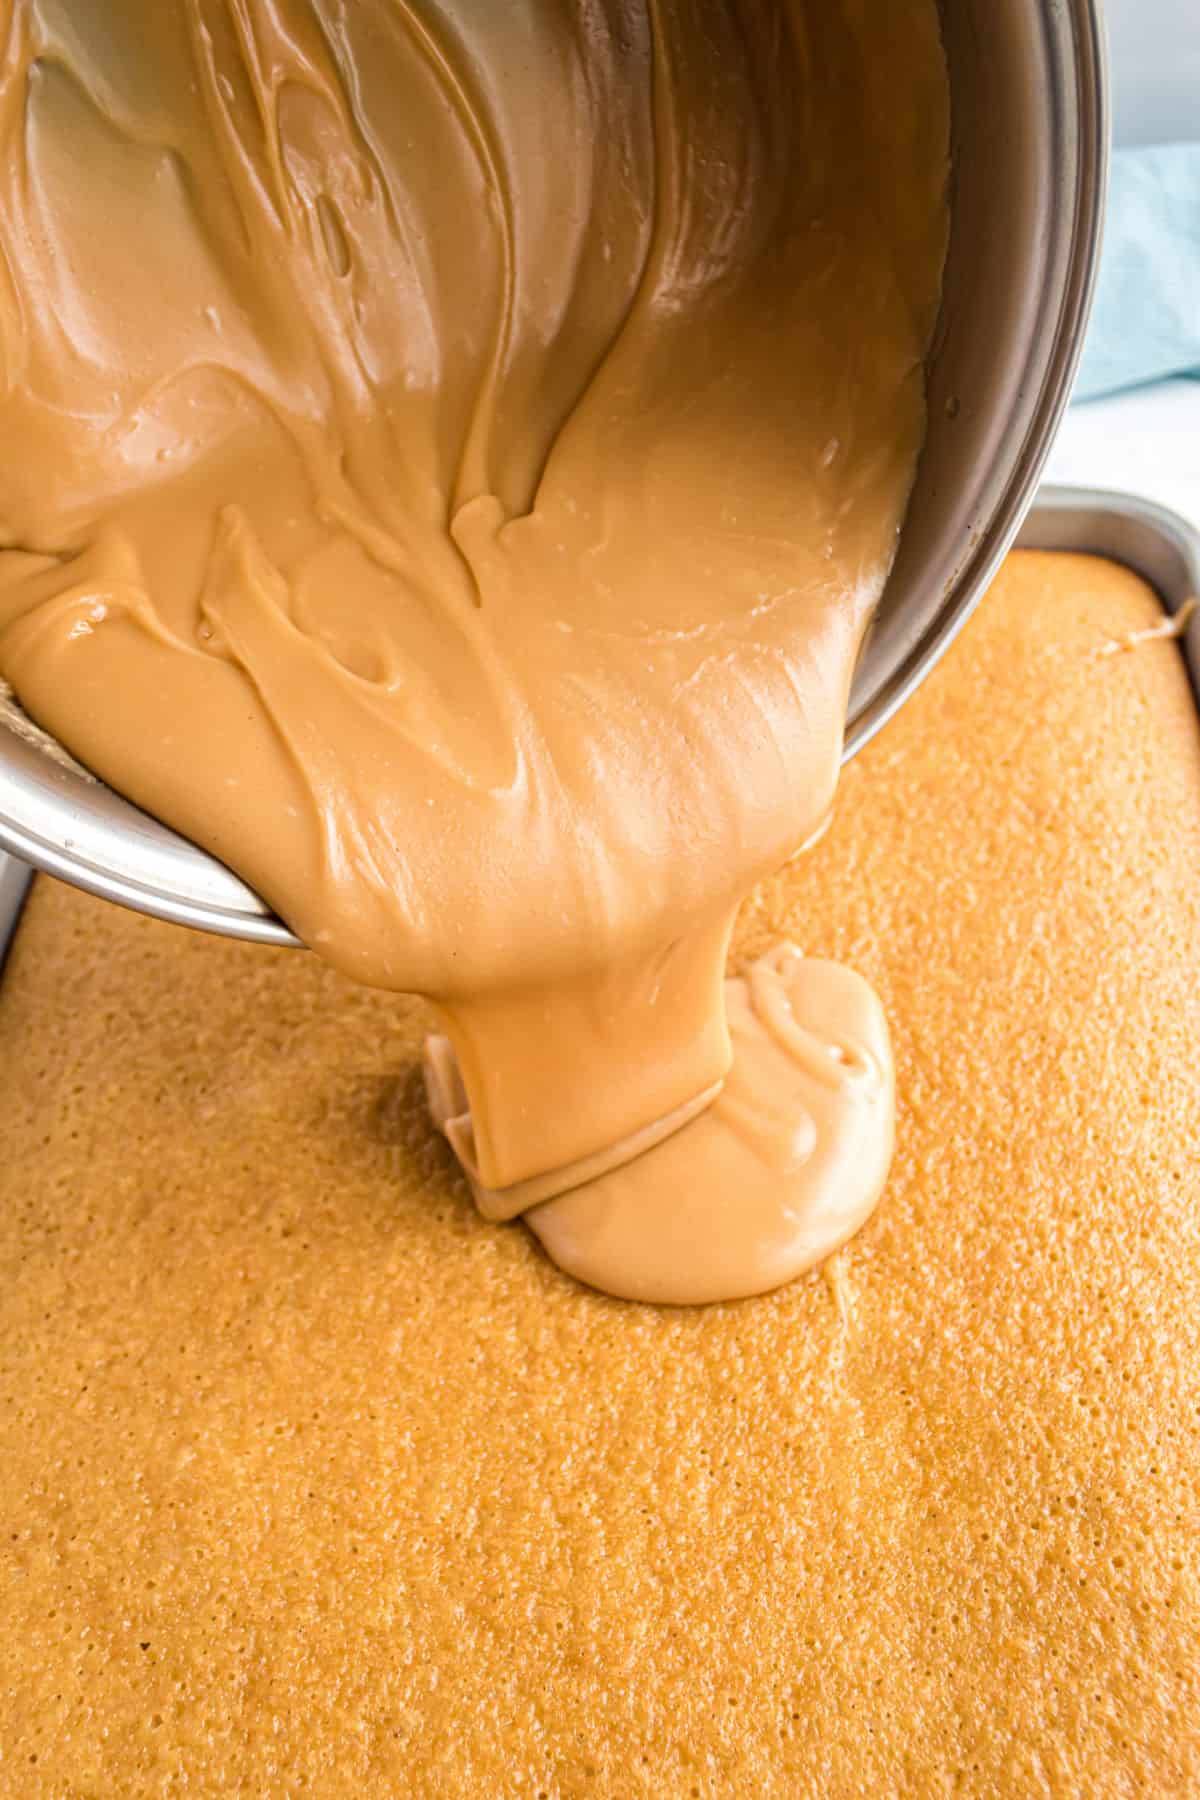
(453, 454)
(312, 1481)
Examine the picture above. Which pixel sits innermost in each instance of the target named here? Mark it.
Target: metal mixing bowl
(1028, 89)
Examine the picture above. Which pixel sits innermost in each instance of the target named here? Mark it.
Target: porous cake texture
(311, 1481)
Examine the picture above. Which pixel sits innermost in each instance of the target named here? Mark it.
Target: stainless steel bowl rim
(62, 821)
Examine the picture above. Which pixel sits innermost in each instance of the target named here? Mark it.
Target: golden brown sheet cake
(310, 1481)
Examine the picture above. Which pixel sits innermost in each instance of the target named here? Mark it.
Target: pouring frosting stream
(452, 456)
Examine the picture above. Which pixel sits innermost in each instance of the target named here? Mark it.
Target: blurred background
(1155, 50)
(1136, 422)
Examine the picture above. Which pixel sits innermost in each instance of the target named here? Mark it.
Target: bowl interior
(1028, 158)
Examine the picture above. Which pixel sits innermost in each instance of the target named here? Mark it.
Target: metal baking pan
(1158, 545)
(15, 878)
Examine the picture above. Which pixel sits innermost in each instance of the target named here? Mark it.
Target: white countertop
(1146, 442)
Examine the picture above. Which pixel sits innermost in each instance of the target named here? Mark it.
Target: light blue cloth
(1146, 320)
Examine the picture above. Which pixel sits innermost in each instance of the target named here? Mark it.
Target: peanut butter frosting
(460, 450)
(313, 1481)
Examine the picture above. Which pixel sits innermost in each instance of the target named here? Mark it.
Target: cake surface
(313, 1481)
